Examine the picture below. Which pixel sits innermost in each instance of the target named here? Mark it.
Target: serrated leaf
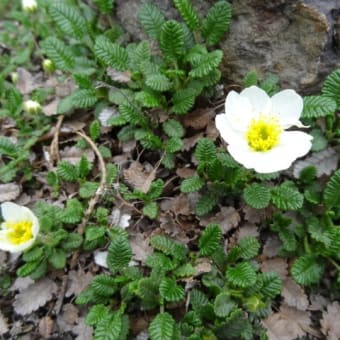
(168, 246)
(223, 305)
(332, 191)
(158, 82)
(249, 247)
(331, 87)
(242, 275)
(171, 291)
(192, 184)
(173, 128)
(205, 150)
(162, 327)
(111, 53)
(271, 285)
(287, 197)
(257, 195)
(207, 63)
(57, 259)
(173, 145)
(104, 285)
(151, 19)
(183, 100)
(216, 23)
(84, 98)
(209, 239)
(95, 314)
(307, 270)
(151, 210)
(105, 6)
(188, 13)
(67, 171)
(318, 106)
(109, 328)
(172, 39)
(119, 253)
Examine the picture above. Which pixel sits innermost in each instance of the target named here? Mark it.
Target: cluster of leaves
(218, 305)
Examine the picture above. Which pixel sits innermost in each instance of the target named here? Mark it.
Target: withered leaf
(330, 325)
(277, 265)
(45, 328)
(119, 76)
(136, 176)
(34, 296)
(294, 295)
(9, 192)
(83, 331)
(272, 246)
(3, 324)
(73, 154)
(140, 247)
(77, 281)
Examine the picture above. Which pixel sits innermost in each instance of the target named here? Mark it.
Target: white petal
(10, 211)
(258, 98)
(293, 144)
(226, 131)
(288, 105)
(13, 248)
(238, 110)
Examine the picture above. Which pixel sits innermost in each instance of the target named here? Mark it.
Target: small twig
(54, 148)
(94, 200)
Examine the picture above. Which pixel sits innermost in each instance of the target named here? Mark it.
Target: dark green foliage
(332, 191)
(287, 197)
(162, 327)
(192, 184)
(105, 6)
(170, 290)
(318, 106)
(210, 239)
(183, 101)
(188, 13)
(223, 305)
(119, 253)
(257, 195)
(242, 275)
(331, 87)
(151, 19)
(172, 39)
(307, 270)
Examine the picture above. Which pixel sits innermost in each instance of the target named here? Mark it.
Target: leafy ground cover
(148, 227)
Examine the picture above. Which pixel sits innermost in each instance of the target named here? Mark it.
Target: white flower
(29, 5)
(19, 229)
(254, 127)
(32, 106)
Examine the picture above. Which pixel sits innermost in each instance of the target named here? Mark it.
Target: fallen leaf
(45, 328)
(3, 324)
(228, 218)
(70, 313)
(190, 142)
(277, 265)
(50, 109)
(272, 246)
(330, 325)
(9, 192)
(77, 282)
(289, 323)
(181, 205)
(294, 295)
(247, 229)
(185, 172)
(317, 302)
(199, 118)
(106, 114)
(255, 215)
(82, 330)
(137, 177)
(119, 76)
(140, 247)
(119, 219)
(202, 266)
(21, 283)
(26, 81)
(34, 296)
(73, 154)
(325, 162)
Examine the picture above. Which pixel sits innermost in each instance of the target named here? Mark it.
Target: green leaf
(318, 106)
(198, 299)
(151, 19)
(205, 150)
(306, 270)
(331, 195)
(33, 254)
(250, 79)
(88, 189)
(271, 285)
(156, 189)
(95, 129)
(287, 197)
(105, 6)
(217, 22)
(60, 55)
(205, 204)
(172, 40)
(8, 148)
(84, 98)
(139, 55)
(173, 145)
(111, 54)
(162, 327)
(242, 275)
(170, 291)
(57, 259)
(95, 314)
(186, 270)
(104, 285)
(183, 100)
(173, 128)
(206, 63)
(94, 232)
(249, 247)
(188, 13)
(67, 171)
(331, 87)
(209, 239)
(73, 241)
(148, 99)
(151, 210)
(68, 19)
(319, 141)
(28, 268)
(169, 247)
(257, 195)
(119, 253)
(223, 305)
(158, 82)
(109, 328)
(192, 184)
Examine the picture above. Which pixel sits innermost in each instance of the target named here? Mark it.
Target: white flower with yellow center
(29, 5)
(254, 126)
(19, 229)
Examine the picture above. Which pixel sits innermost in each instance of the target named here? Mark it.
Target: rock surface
(297, 40)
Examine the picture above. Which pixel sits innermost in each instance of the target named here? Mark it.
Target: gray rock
(297, 40)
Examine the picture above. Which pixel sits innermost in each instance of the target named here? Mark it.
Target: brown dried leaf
(190, 142)
(199, 118)
(228, 218)
(185, 172)
(247, 229)
(181, 205)
(330, 325)
(202, 266)
(50, 109)
(277, 265)
(294, 295)
(140, 247)
(106, 114)
(317, 302)
(255, 215)
(26, 81)
(136, 176)
(289, 323)
(73, 154)
(9, 192)
(46, 325)
(77, 281)
(3, 324)
(34, 296)
(21, 283)
(70, 314)
(83, 331)
(119, 76)
(271, 246)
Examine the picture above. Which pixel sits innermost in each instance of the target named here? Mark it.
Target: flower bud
(32, 106)
(29, 6)
(48, 66)
(14, 77)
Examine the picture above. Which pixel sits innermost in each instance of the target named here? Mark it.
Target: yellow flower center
(19, 232)
(264, 133)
